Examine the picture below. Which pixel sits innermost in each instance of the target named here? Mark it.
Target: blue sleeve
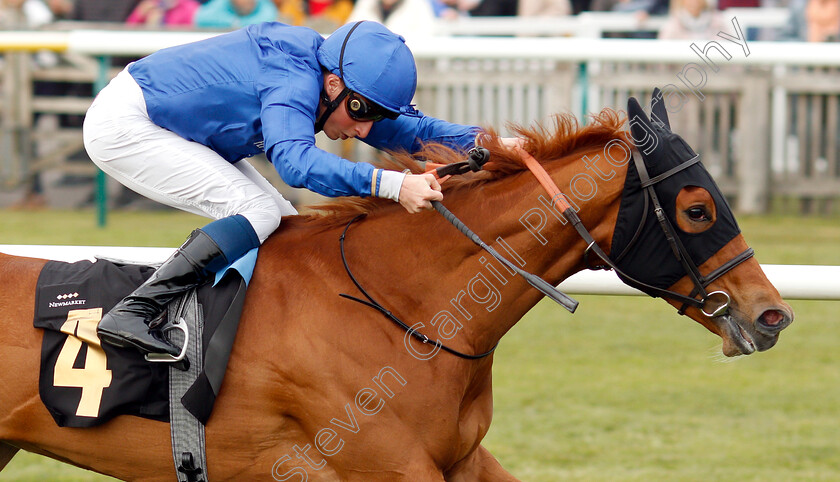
(301, 164)
(289, 91)
(408, 131)
(290, 145)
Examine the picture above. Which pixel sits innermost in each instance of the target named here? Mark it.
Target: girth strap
(187, 432)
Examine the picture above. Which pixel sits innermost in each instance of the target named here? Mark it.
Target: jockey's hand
(512, 142)
(417, 192)
(507, 142)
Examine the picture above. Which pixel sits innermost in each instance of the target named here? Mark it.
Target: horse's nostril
(772, 321)
(771, 317)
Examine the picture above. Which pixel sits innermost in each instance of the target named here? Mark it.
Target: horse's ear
(639, 121)
(658, 113)
(642, 131)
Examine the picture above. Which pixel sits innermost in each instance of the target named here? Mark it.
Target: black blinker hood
(649, 257)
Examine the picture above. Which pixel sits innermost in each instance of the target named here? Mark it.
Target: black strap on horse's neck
(388, 314)
(647, 183)
(540, 284)
(476, 158)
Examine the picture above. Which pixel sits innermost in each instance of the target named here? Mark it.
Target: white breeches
(159, 164)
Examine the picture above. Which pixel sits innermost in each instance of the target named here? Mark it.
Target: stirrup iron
(178, 324)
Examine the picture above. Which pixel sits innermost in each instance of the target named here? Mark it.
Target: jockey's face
(339, 124)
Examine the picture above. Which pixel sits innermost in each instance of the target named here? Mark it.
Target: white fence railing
(760, 113)
(793, 281)
(596, 24)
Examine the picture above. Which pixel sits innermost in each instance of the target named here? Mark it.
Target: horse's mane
(563, 139)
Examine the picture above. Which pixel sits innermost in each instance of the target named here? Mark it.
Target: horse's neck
(426, 271)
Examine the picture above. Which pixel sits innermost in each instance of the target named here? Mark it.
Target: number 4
(95, 376)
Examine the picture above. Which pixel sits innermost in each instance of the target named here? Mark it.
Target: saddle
(84, 383)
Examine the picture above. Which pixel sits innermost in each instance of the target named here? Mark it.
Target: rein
(377, 306)
(479, 156)
(476, 159)
(693, 272)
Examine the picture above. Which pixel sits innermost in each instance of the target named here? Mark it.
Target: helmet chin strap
(331, 105)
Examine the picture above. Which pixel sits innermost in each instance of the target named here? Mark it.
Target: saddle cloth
(84, 383)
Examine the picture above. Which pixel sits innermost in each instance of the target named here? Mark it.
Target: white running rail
(804, 282)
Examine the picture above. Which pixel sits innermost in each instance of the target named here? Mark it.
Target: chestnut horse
(322, 388)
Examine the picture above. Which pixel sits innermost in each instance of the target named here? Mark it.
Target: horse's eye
(697, 214)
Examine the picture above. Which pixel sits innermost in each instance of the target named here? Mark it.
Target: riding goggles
(363, 110)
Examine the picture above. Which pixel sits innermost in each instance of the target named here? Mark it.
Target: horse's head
(677, 235)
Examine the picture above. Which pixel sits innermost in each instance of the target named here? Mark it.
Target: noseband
(718, 300)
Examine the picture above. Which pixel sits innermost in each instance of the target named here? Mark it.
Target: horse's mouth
(736, 340)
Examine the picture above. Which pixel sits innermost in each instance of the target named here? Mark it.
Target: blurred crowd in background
(808, 20)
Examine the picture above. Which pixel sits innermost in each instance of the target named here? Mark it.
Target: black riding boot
(127, 324)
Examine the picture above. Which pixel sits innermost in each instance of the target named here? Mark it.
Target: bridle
(719, 301)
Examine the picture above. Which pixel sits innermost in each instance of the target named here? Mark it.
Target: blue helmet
(374, 62)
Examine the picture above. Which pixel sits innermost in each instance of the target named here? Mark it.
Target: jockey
(175, 126)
